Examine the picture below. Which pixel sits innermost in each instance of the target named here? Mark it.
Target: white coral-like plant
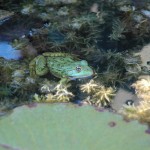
(98, 94)
(89, 87)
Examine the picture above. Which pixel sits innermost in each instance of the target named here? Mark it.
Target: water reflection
(8, 52)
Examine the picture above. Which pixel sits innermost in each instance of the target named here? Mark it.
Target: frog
(62, 65)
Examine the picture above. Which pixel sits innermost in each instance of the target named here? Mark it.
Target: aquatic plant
(104, 33)
(20, 43)
(62, 93)
(55, 2)
(89, 87)
(112, 76)
(76, 32)
(47, 86)
(142, 88)
(22, 86)
(118, 30)
(38, 98)
(63, 11)
(7, 67)
(104, 96)
(65, 127)
(26, 47)
(5, 91)
(142, 111)
(114, 68)
(98, 94)
(28, 9)
(52, 92)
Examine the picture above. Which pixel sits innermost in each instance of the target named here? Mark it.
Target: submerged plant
(118, 28)
(104, 95)
(89, 87)
(28, 9)
(142, 111)
(98, 94)
(62, 94)
(5, 91)
(7, 67)
(53, 92)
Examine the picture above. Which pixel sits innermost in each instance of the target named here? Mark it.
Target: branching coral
(98, 94)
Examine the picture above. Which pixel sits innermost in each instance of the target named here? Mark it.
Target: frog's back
(61, 65)
(58, 59)
(58, 62)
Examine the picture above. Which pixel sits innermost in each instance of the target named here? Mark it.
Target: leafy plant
(65, 127)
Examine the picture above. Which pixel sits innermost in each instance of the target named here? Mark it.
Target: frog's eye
(78, 68)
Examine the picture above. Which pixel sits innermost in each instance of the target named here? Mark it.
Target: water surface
(8, 52)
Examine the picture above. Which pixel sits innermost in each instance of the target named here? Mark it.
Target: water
(8, 52)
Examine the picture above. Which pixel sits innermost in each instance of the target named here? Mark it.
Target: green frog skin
(61, 65)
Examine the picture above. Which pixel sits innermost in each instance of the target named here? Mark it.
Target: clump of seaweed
(53, 92)
(81, 31)
(142, 88)
(15, 86)
(28, 9)
(47, 86)
(62, 94)
(142, 111)
(21, 85)
(5, 91)
(7, 67)
(114, 68)
(98, 94)
(118, 28)
(25, 46)
(19, 43)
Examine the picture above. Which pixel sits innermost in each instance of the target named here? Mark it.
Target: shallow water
(106, 35)
(105, 40)
(8, 52)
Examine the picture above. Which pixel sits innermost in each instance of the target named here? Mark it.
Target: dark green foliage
(5, 91)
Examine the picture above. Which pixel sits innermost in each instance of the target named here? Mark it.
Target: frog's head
(79, 70)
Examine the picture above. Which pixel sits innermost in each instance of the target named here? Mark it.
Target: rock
(145, 56)
(121, 97)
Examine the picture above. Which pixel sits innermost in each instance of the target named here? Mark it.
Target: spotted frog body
(61, 65)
